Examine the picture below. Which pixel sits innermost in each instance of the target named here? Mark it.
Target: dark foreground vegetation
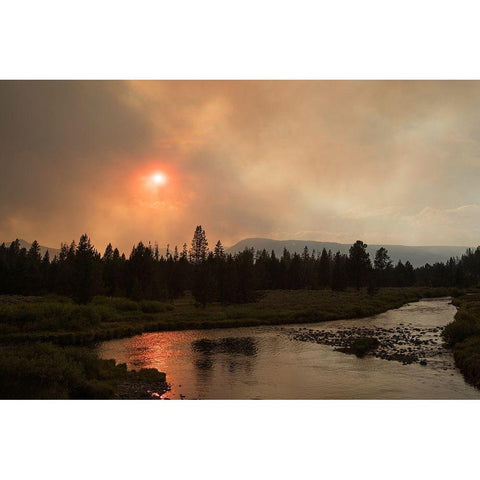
(46, 371)
(42, 370)
(463, 334)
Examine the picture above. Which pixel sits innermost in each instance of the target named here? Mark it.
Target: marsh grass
(48, 371)
(463, 334)
(43, 370)
(58, 320)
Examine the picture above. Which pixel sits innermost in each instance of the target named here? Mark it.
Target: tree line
(81, 272)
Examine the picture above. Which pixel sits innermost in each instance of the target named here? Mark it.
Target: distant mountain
(417, 256)
(24, 244)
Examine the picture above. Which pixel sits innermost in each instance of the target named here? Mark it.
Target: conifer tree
(383, 266)
(339, 272)
(324, 269)
(219, 251)
(359, 264)
(184, 253)
(199, 249)
(86, 280)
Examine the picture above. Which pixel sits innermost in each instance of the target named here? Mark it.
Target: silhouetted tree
(359, 264)
(325, 267)
(383, 267)
(339, 272)
(34, 281)
(219, 251)
(204, 288)
(86, 271)
(199, 248)
(113, 267)
(246, 276)
(80, 272)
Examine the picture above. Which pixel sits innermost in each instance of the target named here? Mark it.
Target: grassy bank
(45, 371)
(463, 334)
(44, 341)
(59, 320)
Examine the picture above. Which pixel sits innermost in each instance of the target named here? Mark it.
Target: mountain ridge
(24, 244)
(417, 255)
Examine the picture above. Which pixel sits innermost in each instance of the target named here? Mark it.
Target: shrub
(455, 292)
(361, 346)
(152, 306)
(125, 305)
(467, 359)
(47, 371)
(465, 325)
(117, 303)
(31, 316)
(82, 317)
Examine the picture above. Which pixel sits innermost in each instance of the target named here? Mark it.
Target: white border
(238, 440)
(241, 40)
(252, 39)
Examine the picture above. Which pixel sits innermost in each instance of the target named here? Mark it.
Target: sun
(159, 178)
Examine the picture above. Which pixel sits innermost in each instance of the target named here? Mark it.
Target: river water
(268, 363)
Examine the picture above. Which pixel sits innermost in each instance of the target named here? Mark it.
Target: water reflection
(265, 362)
(204, 363)
(231, 355)
(231, 345)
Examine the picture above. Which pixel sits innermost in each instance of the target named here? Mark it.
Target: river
(269, 363)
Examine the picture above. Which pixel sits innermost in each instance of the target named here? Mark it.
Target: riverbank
(266, 362)
(463, 334)
(52, 359)
(58, 320)
(47, 371)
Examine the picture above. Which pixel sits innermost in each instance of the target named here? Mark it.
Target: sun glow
(154, 184)
(159, 178)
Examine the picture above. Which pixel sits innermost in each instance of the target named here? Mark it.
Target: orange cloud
(384, 161)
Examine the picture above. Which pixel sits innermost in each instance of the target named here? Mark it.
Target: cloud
(384, 161)
(460, 225)
(60, 143)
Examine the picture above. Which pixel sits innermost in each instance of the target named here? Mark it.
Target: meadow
(60, 320)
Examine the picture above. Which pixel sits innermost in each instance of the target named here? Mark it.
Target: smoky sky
(381, 161)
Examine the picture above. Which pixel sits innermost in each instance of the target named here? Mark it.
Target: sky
(387, 162)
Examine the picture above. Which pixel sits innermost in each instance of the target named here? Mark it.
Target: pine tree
(199, 249)
(204, 288)
(339, 272)
(34, 251)
(33, 271)
(108, 255)
(86, 279)
(383, 266)
(219, 251)
(324, 267)
(410, 276)
(359, 264)
(46, 272)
